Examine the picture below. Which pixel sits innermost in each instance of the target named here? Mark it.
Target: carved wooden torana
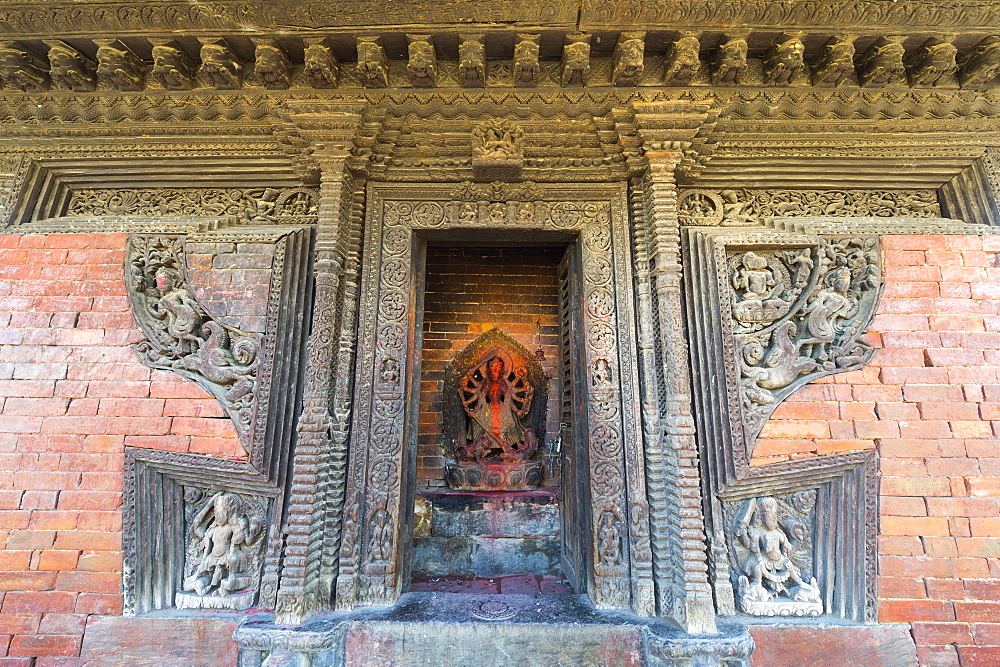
(721, 171)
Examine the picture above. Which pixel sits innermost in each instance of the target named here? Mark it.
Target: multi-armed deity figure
(496, 399)
(769, 571)
(225, 542)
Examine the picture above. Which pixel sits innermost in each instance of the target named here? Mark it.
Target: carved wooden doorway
(612, 564)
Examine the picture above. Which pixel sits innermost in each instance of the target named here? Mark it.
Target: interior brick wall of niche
(468, 292)
(73, 395)
(929, 404)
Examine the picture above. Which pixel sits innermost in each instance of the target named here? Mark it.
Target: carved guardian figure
(933, 64)
(576, 61)
(771, 583)
(883, 65)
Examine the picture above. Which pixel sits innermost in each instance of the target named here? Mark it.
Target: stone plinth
(486, 535)
(494, 475)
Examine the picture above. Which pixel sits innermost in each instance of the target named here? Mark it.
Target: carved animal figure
(219, 68)
(784, 62)
(371, 67)
(68, 70)
(934, 63)
(982, 65)
(730, 62)
(171, 69)
(471, 63)
(629, 64)
(271, 67)
(836, 64)
(883, 65)
(119, 69)
(683, 62)
(18, 71)
(421, 66)
(576, 64)
(218, 361)
(319, 66)
(526, 68)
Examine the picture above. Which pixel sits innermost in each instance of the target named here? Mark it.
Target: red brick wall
(72, 396)
(468, 292)
(930, 405)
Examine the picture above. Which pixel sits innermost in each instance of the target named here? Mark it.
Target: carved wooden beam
(882, 64)
(981, 65)
(730, 64)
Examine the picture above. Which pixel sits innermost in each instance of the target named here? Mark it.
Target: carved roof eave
(305, 17)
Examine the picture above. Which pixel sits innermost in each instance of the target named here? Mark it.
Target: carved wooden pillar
(673, 487)
(316, 484)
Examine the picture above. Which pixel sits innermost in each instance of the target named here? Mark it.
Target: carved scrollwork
(742, 207)
(224, 550)
(772, 556)
(257, 206)
(797, 315)
(182, 337)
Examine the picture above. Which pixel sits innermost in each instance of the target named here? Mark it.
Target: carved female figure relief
(178, 307)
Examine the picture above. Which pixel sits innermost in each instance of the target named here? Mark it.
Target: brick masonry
(72, 396)
(468, 292)
(930, 405)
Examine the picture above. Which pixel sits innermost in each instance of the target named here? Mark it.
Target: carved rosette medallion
(182, 337)
(797, 315)
(772, 554)
(496, 393)
(225, 535)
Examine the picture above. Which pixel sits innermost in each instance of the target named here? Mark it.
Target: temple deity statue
(225, 542)
(496, 398)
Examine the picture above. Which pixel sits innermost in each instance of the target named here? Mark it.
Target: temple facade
(606, 332)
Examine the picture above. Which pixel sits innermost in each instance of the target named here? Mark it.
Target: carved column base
(494, 475)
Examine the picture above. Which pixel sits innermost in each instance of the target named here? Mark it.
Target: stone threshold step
(489, 631)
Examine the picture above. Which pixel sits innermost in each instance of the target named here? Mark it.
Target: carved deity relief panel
(224, 547)
(797, 315)
(182, 337)
(494, 420)
(371, 557)
(771, 542)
